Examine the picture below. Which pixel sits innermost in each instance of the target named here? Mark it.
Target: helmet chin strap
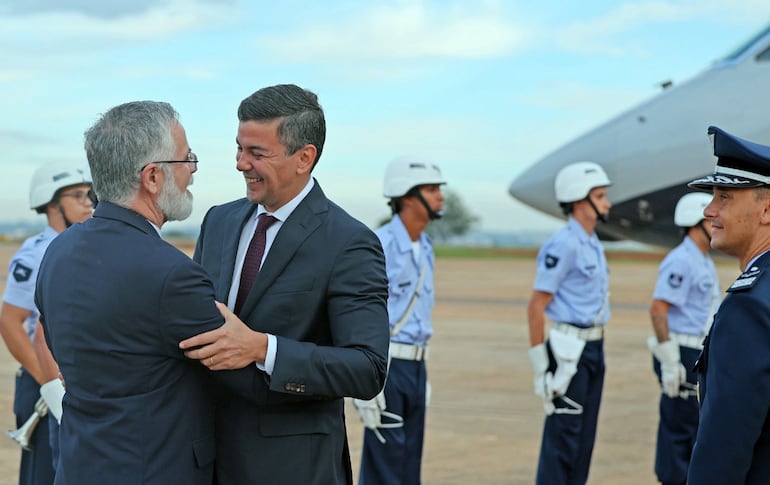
(67, 222)
(599, 215)
(708, 236)
(433, 215)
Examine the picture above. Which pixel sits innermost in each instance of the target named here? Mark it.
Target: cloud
(25, 138)
(102, 9)
(579, 98)
(48, 38)
(93, 8)
(80, 27)
(406, 30)
(597, 35)
(609, 34)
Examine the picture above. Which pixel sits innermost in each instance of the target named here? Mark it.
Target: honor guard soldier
(732, 445)
(686, 296)
(61, 192)
(395, 420)
(572, 289)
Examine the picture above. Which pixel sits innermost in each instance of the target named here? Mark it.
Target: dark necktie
(253, 259)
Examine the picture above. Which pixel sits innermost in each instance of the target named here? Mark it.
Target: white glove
(373, 410)
(52, 393)
(567, 350)
(672, 372)
(538, 357)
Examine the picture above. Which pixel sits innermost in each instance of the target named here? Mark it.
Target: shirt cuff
(272, 344)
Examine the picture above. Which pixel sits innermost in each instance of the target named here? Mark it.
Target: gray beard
(176, 205)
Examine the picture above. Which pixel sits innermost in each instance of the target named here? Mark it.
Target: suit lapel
(231, 234)
(305, 219)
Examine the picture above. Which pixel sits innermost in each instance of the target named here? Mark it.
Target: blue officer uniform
(688, 281)
(398, 460)
(732, 445)
(572, 267)
(733, 439)
(37, 464)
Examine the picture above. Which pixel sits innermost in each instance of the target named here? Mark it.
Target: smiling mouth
(253, 180)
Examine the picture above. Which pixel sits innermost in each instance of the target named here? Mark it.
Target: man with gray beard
(115, 300)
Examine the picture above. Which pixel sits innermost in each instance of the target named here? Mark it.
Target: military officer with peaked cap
(733, 440)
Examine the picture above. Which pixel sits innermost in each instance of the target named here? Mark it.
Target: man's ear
(306, 158)
(151, 179)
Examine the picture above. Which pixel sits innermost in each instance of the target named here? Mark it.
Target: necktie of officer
(253, 259)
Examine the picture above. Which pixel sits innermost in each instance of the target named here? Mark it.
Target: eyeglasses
(191, 158)
(81, 195)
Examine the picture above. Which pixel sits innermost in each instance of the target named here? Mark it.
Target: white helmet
(404, 173)
(49, 178)
(575, 181)
(689, 209)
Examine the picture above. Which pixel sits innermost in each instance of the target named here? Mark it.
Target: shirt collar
(401, 235)
(754, 259)
(50, 232)
(157, 229)
(583, 236)
(285, 211)
(690, 244)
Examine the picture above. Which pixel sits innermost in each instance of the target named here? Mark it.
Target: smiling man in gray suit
(316, 311)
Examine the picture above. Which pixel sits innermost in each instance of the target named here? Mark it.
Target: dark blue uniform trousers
(678, 425)
(568, 439)
(398, 461)
(53, 439)
(36, 464)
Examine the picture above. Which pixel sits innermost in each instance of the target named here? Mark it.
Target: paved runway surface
(484, 422)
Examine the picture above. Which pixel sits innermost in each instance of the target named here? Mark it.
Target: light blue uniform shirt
(572, 267)
(687, 279)
(22, 274)
(403, 271)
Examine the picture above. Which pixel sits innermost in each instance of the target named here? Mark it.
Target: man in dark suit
(732, 444)
(316, 313)
(115, 300)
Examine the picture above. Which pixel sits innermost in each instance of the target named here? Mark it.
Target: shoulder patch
(21, 273)
(551, 261)
(675, 280)
(746, 280)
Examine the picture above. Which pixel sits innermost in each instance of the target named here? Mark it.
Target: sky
(482, 88)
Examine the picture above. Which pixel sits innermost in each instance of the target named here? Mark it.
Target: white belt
(588, 333)
(408, 351)
(686, 340)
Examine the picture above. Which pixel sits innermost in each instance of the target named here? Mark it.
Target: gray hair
(122, 141)
(762, 192)
(302, 118)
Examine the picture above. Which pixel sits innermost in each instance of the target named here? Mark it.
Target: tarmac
(484, 422)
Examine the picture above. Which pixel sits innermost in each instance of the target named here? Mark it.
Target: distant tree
(457, 219)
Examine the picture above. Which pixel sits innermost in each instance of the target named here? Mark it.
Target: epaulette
(746, 280)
